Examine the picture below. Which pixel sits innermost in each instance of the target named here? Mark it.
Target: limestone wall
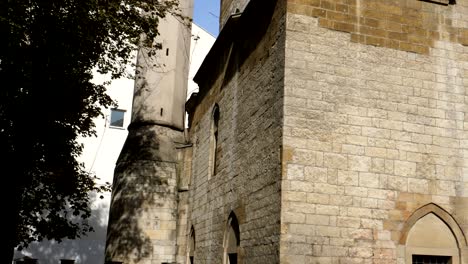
(371, 134)
(248, 177)
(410, 25)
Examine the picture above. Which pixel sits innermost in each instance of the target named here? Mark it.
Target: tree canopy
(48, 51)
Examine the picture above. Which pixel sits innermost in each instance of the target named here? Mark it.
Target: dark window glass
(215, 134)
(232, 258)
(426, 259)
(67, 261)
(117, 118)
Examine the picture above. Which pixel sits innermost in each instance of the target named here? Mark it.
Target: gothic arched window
(213, 157)
(191, 247)
(231, 240)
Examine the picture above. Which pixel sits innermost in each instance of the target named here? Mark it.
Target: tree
(47, 53)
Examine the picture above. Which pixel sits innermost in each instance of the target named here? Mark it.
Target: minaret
(143, 213)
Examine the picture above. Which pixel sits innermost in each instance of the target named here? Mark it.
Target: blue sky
(206, 15)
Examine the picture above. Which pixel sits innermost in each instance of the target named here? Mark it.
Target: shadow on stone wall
(143, 193)
(87, 250)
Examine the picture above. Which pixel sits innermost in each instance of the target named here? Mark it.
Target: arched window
(191, 247)
(431, 235)
(231, 240)
(213, 157)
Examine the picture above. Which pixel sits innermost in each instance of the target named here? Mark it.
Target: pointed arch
(432, 235)
(440, 213)
(191, 247)
(231, 240)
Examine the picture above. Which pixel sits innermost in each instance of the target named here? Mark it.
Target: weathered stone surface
(405, 149)
(248, 179)
(341, 122)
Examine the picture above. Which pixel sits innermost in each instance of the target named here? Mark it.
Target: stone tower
(143, 215)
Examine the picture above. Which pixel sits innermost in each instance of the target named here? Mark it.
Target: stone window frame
(447, 218)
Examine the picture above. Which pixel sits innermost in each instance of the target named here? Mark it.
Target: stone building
(324, 131)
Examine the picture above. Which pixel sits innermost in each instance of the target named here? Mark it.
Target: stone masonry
(364, 125)
(341, 138)
(372, 132)
(249, 94)
(148, 206)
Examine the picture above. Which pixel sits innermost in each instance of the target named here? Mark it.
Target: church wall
(372, 132)
(247, 181)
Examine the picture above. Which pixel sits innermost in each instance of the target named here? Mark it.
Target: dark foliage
(48, 50)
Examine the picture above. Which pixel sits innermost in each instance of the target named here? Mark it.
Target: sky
(206, 15)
